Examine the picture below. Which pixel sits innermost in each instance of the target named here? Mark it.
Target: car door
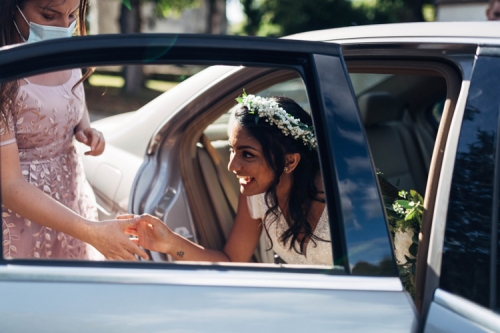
(360, 292)
(462, 278)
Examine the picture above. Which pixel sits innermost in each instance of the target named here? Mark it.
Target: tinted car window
(467, 252)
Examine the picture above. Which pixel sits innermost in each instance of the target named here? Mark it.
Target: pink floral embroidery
(49, 161)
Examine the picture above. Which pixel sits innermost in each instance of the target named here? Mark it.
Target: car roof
(455, 32)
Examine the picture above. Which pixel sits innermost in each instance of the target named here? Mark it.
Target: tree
(254, 13)
(291, 16)
(131, 22)
(298, 16)
(216, 16)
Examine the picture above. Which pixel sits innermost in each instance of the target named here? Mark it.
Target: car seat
(394, 144)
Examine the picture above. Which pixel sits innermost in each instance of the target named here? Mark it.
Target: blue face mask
(40, 32)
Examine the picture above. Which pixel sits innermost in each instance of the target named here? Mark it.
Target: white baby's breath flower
(269, 108)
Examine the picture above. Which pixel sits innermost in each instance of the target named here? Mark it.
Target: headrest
(216, 132)
(378, 107)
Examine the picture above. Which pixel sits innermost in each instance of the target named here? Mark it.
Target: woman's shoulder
(256, 205)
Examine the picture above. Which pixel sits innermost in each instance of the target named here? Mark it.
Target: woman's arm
(243, 239)
(27, 200)
(89, 136)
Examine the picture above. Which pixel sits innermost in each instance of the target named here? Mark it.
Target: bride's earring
(286, 169)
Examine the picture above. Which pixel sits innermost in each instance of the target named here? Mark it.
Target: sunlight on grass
(429, 12)
(106, 80)
(99, 80)
(160, 85)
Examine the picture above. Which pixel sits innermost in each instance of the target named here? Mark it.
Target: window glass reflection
(467, 246)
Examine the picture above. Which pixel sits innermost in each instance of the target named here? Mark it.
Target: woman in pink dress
(48, 206)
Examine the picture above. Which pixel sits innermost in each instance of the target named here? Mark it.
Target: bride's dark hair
(275, 145)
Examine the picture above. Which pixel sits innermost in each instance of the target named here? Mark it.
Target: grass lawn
(105, 96)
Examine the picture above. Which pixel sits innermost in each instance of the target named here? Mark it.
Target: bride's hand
(150, 231)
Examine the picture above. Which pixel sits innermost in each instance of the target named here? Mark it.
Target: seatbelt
(229, 192)
(425, 151)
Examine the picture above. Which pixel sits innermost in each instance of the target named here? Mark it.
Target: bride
(273, 154)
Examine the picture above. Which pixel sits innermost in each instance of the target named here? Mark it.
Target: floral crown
(270, 109)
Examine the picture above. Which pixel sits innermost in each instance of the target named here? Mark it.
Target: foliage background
(283, 17)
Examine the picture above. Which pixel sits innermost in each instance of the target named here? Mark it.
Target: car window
(469, 264)
(401, 114)
(294, 88)
(362, 82)
(436, 112)
(395, 111)
(128, 121)
(159, 144)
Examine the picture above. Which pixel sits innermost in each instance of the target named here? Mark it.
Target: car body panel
(463, 261)
(427, 32)
(450, 313)
(63, 300)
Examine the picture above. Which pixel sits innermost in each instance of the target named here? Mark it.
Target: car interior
(400, 104)
(400, 107)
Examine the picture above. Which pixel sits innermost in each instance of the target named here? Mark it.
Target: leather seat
(393, 142)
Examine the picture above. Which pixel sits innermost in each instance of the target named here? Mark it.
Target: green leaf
(404, 203)
(416, 197)
(127, 4)
(410, 215)
(243, 95)
(403, 270)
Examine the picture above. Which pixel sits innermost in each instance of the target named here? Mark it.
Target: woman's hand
(151, 232)
(109, 238)
(92, 138)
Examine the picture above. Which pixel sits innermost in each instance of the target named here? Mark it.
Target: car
(417, 102)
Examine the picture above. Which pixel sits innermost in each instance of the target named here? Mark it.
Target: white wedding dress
(315, 254)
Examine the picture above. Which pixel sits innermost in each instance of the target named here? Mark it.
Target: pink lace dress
(42, 124)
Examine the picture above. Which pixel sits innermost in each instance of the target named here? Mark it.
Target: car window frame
(307, 58)
(477, 90)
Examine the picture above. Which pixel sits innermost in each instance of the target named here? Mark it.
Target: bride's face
(247, 161)
(55, 13)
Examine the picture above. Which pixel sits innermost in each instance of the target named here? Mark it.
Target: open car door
(360, 292)
(461, 287)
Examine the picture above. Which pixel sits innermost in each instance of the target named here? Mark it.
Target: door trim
(203, 276)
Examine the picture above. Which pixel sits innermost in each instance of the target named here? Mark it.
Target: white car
(418, 102)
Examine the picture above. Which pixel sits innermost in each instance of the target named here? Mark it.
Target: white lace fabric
(317, 253)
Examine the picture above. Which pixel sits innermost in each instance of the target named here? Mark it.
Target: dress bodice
(44, 118)
(316, 253)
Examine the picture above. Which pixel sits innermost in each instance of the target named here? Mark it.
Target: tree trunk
(216, 17)
(130, 22)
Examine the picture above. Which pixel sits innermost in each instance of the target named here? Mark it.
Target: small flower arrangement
(270, 109)
(404, 211)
